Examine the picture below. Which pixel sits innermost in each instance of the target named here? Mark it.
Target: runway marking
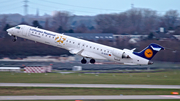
(89, 85)
(172, 96)
(88, 97)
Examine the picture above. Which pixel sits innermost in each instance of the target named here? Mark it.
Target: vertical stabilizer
(150, 51)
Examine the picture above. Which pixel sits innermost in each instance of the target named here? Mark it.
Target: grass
(82, 91)
(158, 78)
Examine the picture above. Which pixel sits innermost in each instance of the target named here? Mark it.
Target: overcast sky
(85, 7)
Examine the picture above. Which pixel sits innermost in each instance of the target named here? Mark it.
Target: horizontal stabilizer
(156, 48)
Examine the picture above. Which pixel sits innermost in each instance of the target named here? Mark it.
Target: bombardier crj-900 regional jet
(84, 48)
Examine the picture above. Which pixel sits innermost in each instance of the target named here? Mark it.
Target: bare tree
(131, 21)
(47, 23)
(170, 19)
(106, 23)
(150, 20)
(81, 29)
(3, 22)
(134, 17)
(60, 19)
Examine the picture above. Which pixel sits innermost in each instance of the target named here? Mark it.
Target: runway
(90, 97)
(89, 85)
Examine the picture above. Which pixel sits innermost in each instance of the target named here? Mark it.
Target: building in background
(76, 68)
(10, 69)
(37, 69)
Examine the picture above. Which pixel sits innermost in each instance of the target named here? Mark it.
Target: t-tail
(150, 51)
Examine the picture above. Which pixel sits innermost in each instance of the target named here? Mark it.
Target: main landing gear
(14, 38)
(92, 61)
(84, 61)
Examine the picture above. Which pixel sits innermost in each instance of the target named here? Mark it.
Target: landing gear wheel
(92, 61)
(14, 38)
(83, 61)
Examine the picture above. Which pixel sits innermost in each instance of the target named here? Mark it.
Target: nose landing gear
(14, 38)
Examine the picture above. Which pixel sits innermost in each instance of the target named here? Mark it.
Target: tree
(81, 29)
(150, 36)
(106, 23)
(6, 27)
(60, 19)
(150, 20)
(170, 19)
(36, 24)
(131, 21)
(70, 31)
(3, 22)
(47, 23)
(60, 30)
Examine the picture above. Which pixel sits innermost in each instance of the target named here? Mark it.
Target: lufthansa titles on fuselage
(47, 33)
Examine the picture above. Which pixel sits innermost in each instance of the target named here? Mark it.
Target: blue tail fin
(150, 51)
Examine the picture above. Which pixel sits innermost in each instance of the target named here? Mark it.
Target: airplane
(85, 48)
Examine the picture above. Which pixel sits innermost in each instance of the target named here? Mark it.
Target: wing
(86, 54)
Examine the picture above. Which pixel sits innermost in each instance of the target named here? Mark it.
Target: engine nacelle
(117, 53)
(120, 54)
(124, 55)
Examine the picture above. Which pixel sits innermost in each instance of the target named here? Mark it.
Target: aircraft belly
(86, 54)
(92, 55)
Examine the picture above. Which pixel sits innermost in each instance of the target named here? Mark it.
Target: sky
(85, 7)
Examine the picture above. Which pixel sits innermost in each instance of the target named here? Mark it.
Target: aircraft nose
(10, 31)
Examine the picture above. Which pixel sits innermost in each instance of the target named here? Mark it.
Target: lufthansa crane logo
(60, 39)
(148, 53)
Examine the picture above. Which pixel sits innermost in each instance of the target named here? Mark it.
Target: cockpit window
(17, 27)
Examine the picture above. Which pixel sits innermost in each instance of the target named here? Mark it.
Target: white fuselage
(81, 47)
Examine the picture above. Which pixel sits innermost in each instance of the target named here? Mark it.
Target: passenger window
(69, 41)
(104, 50)
(94, 47)
(66, 40)
(73, 42)
(97, 48)
(90, 46)
(42, 34)
(87, 46)
(101, 49)
(49, 36)
(108, 51)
